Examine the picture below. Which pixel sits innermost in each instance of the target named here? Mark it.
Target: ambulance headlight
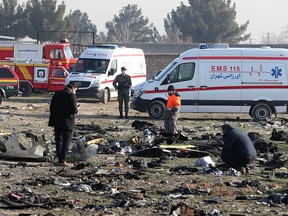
(95, 83)
(138, 92)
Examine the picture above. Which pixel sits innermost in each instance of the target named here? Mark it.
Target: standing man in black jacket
(63, 107)
(238, 150)
(122, 84)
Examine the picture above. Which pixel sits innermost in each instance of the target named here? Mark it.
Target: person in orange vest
(172, 113)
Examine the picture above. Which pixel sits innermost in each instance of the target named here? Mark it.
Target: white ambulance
(220, 79)
(98, 66)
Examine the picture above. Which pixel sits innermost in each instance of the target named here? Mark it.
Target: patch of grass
(283, 146)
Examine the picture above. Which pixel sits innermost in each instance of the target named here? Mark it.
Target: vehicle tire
(1, 99)
(156, 109)
(105, 96)
(261, 112)
(26, 89)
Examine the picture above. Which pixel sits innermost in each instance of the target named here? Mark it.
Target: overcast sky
(265, 16)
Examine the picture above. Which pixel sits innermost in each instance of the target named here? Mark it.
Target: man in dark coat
(238, 150)
(63, 107)
(122, 84)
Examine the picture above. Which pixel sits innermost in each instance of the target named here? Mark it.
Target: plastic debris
(205, 162)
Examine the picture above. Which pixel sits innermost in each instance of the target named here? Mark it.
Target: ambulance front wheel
(26, 89)
(156, 109)
(261, 112)
(105, 96)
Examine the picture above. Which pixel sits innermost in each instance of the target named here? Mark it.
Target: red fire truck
(57, 53)
(38, 76)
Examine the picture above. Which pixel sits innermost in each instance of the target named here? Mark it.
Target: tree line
(207, 21)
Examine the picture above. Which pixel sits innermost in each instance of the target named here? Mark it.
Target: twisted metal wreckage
(23, 146)
(28, 146)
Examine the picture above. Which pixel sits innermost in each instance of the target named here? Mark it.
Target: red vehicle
(57, 53)
(38, 76)
(9, 83)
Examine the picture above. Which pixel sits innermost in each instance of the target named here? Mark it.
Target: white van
(98, 66)
(220, 79)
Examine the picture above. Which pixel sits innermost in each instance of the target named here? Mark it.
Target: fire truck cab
(59, 54)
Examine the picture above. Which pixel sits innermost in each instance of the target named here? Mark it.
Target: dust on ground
(151, 191)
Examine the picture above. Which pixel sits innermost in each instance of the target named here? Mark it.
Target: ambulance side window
(5, 73)
(182, 72)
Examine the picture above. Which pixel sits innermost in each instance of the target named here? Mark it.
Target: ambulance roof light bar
(214, 46)
(203, 46)
(104, 46)
(220, 45)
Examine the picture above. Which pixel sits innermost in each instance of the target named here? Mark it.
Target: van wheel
(105, 96)
(156, 110)
(1, 99)
(261, 112)
(26, 89)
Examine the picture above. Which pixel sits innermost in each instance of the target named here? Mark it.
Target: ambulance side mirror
(167, 79)
(66, 73)
(111, 72)
(158, 72)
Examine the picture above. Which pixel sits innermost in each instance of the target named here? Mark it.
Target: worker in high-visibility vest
(172, 113)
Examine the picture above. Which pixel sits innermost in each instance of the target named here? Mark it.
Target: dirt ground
(124, 189)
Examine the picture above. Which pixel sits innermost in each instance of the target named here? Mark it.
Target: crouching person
(172, 114)
(238, 150)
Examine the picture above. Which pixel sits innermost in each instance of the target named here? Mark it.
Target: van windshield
(164, 71)
(91, 66)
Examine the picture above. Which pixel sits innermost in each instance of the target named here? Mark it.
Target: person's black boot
(126, 115)
(120, 116)
(169, 139)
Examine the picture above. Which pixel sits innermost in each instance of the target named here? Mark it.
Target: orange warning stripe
(25, 72)
(6, 48)
(9, 81)
(57, 78)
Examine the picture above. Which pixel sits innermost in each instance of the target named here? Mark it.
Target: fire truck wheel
(26, 89)
(105, 96)
(261, 112)
(156, 109)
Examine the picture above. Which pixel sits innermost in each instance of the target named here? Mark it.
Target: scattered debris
(279, 135)
(21, 146)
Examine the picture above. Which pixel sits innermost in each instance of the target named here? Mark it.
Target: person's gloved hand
(126, 85)
(174, 109)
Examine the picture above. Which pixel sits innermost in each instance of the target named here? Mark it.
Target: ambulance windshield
(91, 66)
(164, 72)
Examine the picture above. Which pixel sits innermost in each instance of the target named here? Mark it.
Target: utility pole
(250, 40)
(269, 37)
